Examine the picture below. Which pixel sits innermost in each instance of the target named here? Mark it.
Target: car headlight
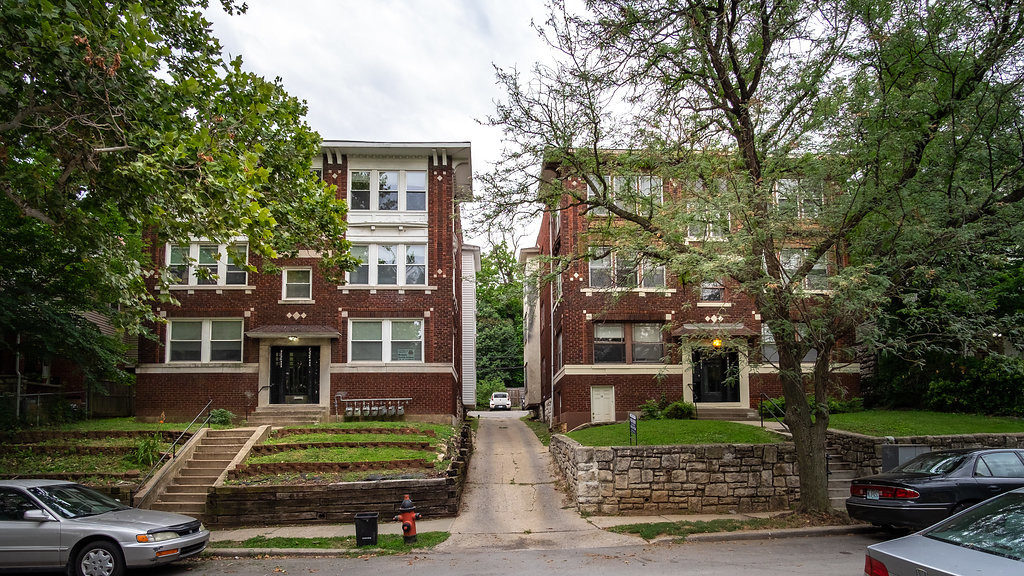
(202, 527)
(157, 536)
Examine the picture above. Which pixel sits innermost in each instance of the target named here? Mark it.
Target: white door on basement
(602, 403)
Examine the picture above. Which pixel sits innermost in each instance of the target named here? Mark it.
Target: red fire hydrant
(408, 515)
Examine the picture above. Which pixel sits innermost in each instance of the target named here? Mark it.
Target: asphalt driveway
(511, 500)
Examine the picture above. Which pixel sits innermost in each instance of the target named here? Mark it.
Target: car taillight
(890, 492)
(874, 567)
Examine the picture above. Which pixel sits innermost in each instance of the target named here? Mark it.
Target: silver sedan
(983, 540)
(56, 524)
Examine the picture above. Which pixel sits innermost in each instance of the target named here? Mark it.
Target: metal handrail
(174, 448)
(775, 411)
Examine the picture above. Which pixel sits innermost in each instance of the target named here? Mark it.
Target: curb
(771, 534)
(250, 552)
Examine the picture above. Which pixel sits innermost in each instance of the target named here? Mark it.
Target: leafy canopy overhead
(877, 141)
(120, 125)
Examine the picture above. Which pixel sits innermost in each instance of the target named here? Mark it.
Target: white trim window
(206, 264)
(386, 340)
(707, 224)
(800, 198)
(387, 190)
(791, 259)
(297, 284)
(389, 265)
(204, 341)
(623, 270)
(631, 192)
(712, 292)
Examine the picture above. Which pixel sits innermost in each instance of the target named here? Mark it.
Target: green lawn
(539, 428)
(919, 423)
(342, 455)
(441, 430)
(129, 424)
(327, 436)
(660, 432)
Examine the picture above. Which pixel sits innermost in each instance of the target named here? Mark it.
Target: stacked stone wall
(865, 452)
(694, 478)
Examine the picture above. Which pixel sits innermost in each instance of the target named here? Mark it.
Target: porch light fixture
(293, 338)
(717, 342)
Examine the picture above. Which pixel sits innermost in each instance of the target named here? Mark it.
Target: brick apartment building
(607, 335)
(401, 326)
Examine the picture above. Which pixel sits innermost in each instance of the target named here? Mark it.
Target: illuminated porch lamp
(717, 342)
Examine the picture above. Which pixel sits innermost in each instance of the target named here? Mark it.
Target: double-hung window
(204, 341)
(712, 292)
(624, 270)
(620, 343)
(799, 198)
(389, 265)
(629, 192)
(386, 341)
(792, 259)
(388, 190)
(207, 264)
(770, 351)
(297, 284)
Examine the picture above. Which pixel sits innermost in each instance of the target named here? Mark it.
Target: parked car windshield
(75, 500)
(500, 395)
(995, 526)
(933, 463)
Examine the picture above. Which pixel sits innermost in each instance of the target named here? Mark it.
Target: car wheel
(100, 558)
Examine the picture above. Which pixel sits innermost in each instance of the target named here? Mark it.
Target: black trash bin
(366, 529)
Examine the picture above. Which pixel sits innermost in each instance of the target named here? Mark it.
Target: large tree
(868, 139)
(499, 318)
(122, 125)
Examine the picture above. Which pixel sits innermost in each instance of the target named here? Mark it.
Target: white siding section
(470, 266)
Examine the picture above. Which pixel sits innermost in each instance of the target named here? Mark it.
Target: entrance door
(716, 375)
(602, 403)
(294, 374)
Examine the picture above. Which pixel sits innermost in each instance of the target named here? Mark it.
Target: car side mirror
(37, 515)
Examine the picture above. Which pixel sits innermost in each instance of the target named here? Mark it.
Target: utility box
(895, 454)
(366, 528)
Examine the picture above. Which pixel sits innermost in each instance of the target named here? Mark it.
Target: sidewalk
(445, 524)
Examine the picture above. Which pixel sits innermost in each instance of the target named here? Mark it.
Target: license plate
(872, 494)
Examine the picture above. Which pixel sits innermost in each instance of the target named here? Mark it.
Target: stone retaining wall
(657, 479)
(865, 452)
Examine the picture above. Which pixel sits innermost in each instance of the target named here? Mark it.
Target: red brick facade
(568, 377)
(180, 389)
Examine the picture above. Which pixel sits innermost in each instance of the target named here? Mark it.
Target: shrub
(485, 388)
(145, 451)
(652, 409)
(989, 385)
(221, 416)
(680, 410)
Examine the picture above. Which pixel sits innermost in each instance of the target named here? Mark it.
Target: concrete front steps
(841, 473)
(741, 414)
(289, 415)
(186, 494)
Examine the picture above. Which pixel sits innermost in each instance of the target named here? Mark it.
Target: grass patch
(329, 437)
(386, 543)
(539, 428)
(28, 462)
(921, 423)
(342, 455)
(441, 430)
(320, 478)
(661, 432)
(685, 528)
(125, 424)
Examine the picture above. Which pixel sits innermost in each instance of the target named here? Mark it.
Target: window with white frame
(770, 351)
(624, 270)
(791, 259)
(386, 341)
(800, 198)
(206, 340)
(389, 265)
(388, 190)
(712, 292)
(297, 284)
(629, 192)
(628, 343)
(207, 264)
(706, 223)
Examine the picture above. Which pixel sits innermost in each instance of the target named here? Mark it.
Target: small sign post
(634, 438)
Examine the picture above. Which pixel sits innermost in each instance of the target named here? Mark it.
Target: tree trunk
(808, 436)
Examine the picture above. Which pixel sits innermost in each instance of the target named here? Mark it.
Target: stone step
(205, 480)
(225, 441)
(180, 489)
(212, 452)
(842, 475)
(191, 472)
(838, 491)
(726, 414)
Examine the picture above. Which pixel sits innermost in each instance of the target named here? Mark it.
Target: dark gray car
(57, 524)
